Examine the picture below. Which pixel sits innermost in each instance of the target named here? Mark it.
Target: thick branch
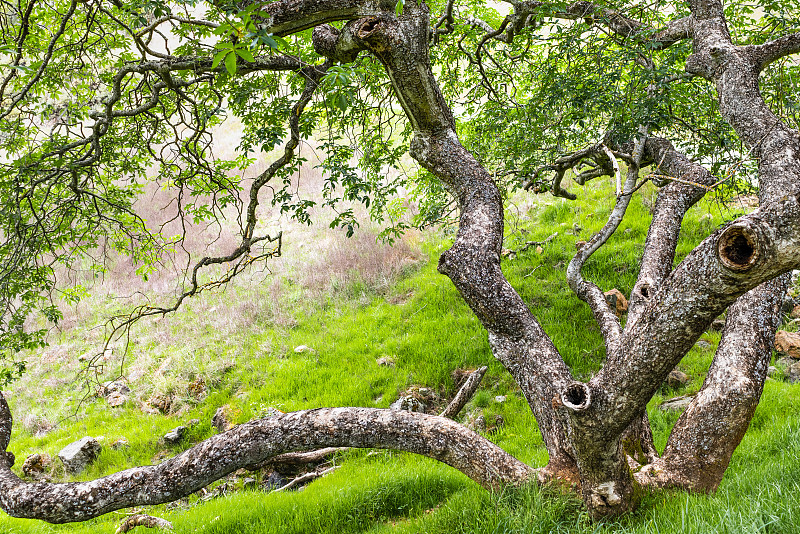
(473, 262)
(291, 16)
(753, 249)
(588, 291)
(673, 201)
(626, 27)
(702, 442)
(254, 442)
(775, 50)
(464, 394)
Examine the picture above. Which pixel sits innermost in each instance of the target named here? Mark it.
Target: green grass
(246, 358)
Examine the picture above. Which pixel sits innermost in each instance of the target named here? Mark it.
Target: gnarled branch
(254, 442)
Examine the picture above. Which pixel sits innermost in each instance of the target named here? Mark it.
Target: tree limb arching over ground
(64, 195)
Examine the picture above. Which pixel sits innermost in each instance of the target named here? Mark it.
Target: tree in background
(94, 95)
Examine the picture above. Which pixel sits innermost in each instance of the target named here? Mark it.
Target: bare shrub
(37, 424)
(361, 264)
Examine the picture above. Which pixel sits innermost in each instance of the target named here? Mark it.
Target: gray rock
(220, 420)
(499, 422)
(476, 422)
(772, 371)
(120, 443)
(79, 454)
(788, 305)
(116, 399)
(176, 435)
(249, 484)
(500, 398)
(408, 403)
(35, 465)
(791, 369)
(703, 344)
(274, 481)
(385, 361)
(677, 403)
(676, 379)
(114, 387)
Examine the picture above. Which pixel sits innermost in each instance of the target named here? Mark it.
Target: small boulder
(772, 371)
(717, 324)
(616, 299)
(703, 344)
(176, 435)
(385, 361)
(224, 417)
(790, 368)
(498, 423)
(36, 465)
(119, 444)
(795, 313)
(300, 349)
(160, 402)
(792, 372)
(408, 403)
(788, 305)
(115, 386)
(78, 455)
(116, 399)
(787, 343)
(197, 388)
(676, 379)
(273, 481)
(677, 403)
(475, 422)
(500, 398)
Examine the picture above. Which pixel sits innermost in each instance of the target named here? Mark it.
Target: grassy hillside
(350, 303)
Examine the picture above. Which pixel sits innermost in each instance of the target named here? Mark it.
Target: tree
(93, 94)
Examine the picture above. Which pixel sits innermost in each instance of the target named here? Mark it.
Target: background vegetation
(350, 302)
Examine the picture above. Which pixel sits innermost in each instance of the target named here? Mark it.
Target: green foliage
(89, 124)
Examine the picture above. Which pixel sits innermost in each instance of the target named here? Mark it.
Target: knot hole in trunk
(738, 248)
(577, 397)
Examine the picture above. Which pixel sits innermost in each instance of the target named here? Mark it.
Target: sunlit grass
(242, 342)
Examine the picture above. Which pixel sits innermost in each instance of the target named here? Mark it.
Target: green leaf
(230, 63)
(341, 101)
(398, 9)
(245, 54)
(218, 57)
(270, 41)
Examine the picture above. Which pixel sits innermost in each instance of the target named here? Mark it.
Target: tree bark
(254, 442)
(473, 262)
